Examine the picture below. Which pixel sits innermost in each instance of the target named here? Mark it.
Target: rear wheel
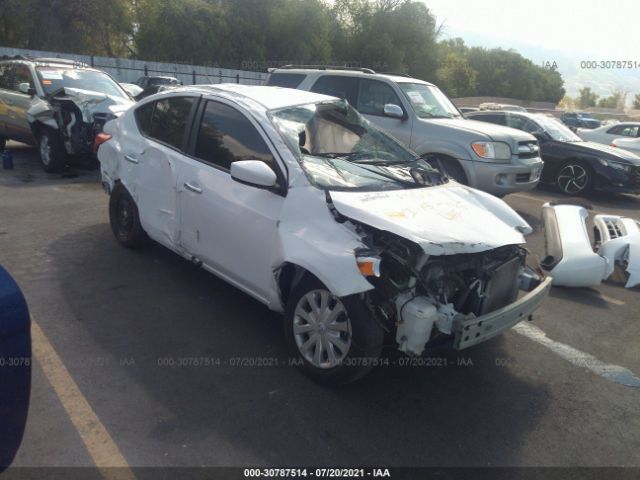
(574, 178)
(52, 154)
(125, 220)
(336, 340)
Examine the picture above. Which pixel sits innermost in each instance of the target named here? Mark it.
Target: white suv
(493, 158)
(297, 200)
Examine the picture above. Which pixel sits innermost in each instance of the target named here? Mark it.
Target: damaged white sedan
(58, 105)
(297, 200)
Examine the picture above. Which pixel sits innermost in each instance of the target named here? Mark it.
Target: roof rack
(397, 74)
(65, 61)
(327, 67)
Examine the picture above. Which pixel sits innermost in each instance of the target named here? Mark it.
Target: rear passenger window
(169, 120)
(336, 86)
(5, 72)
(143, 117)
(226, 136)
(374, 95)
(287, 80)
(496, 118)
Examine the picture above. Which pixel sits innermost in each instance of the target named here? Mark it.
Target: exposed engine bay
(77, 115)
(421, 297)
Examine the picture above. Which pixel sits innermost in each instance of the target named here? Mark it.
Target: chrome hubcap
(573, 179)
(45, 150)
(322, 329)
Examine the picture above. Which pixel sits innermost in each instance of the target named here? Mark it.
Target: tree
(616, 101)
(636, 101)
(587, 98)
(456, 76)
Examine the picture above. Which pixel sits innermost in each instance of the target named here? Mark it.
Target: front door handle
(131, 159)
(193, 188)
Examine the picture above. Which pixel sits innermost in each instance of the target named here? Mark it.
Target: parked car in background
(630, 144)
(502, 107)
(296, 199)
(58, 105)
(132, 89)
(495, 159)
(577, 120)
(152, 84)
(608, 133)
(573, 165)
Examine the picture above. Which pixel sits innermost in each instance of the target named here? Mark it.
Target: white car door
(229, 226)
(151, 164)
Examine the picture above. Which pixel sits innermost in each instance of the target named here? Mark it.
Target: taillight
(99, 140)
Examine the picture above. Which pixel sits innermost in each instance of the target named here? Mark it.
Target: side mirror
(394, 111)
(253, 172)
(541, 135)
(26, 88)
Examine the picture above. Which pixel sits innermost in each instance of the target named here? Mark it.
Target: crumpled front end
(77, 115)
(575, 260)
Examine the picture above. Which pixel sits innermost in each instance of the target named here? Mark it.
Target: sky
(565, 32)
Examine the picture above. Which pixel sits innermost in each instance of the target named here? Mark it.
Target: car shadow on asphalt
(604, 199)
(458, 408)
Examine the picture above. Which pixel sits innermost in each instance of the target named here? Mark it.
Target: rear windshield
(54, 79)
(287, 80)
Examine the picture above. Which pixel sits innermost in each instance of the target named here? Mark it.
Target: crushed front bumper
(470, 332)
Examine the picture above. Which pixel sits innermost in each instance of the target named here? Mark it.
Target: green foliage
(636, 101)
(587, 98)
(617, 100)
(386, 35)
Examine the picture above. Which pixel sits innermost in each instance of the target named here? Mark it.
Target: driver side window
(373, 95)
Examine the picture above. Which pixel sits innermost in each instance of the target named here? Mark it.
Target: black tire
(125, 220)
(52, 153)
(574, 178)
(452, 169)
(365, 336)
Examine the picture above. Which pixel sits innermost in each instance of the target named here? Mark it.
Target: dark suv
(59, 105)
(151, 85)
(577, 120)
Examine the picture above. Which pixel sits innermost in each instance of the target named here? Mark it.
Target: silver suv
(496, 159)
(57, 104)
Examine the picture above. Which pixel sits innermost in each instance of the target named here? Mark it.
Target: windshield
(54, 79)
(428, 101)
(340, 150)
(557, 130)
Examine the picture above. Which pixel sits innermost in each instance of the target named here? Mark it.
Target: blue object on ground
(15, 367)
(7, 160)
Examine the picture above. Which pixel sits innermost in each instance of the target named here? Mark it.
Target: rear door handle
(193, 188)
(131, 159)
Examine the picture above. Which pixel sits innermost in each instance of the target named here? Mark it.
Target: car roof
(397, 78)
(48, 61)
(271, 98)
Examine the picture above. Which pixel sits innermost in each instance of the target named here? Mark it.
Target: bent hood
(443, 220)
(91, 103)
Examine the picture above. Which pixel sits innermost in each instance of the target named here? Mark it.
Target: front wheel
(574, 178)
(52, 154)
(336, 340)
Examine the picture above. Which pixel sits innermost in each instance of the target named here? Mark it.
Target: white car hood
(94, 102)
(443, 220)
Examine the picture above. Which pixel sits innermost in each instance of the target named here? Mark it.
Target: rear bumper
(477, 330)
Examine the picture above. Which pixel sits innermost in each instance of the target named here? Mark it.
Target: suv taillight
(99, 140)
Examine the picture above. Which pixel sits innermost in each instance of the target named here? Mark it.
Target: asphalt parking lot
(154, 347)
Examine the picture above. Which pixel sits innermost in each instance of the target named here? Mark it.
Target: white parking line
(103, 450)
(578, 358)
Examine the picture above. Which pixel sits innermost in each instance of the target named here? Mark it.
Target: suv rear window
(337, 86)
(287, 80)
